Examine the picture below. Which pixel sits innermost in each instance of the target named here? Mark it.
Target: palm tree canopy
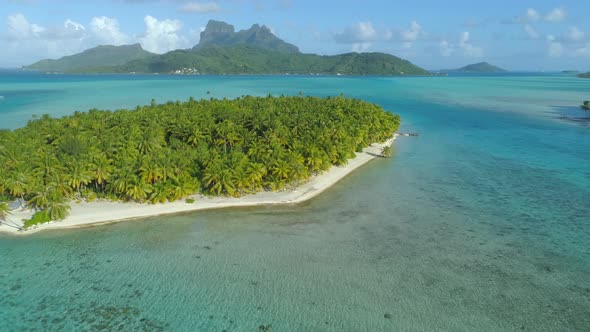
(165, 152)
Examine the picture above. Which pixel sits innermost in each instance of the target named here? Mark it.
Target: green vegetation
(4, 210)
(221, 51)
(586, 106)
(100, 56)
(584, 75)
(167, 152)
(254, 60)
(386, 151)
(482, 67)
(40, 217)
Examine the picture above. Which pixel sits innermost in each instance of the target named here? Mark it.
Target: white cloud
(106, 30)
(532, 15)
(69, 24)
(446, 49)
(162, 36)
(575, 35)
(362, 32)
(468, 49)
(200, 7)
(556, 15)
(412, 33)
(531, 32)
(20, 28)
(554, 47)
(463, 47)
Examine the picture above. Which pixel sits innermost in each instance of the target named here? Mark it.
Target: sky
(434, 34)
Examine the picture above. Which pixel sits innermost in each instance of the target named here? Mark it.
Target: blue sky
(518, 35)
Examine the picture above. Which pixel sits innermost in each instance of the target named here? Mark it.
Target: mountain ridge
(101, 55)
(222, 50)
(223, 34)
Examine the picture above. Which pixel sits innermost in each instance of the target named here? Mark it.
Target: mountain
(222, 50)
(100, 56)
(223, 34)
(244, 59)
(482, 67)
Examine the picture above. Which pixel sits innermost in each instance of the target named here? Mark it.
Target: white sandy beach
(100, 212)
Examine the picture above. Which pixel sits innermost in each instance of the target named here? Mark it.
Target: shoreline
(87, 214)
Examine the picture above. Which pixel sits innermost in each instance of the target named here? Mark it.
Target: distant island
(584, 75)
(572, 72)
(222, 50)
(166, 152)
(481, 67)
(100, 56)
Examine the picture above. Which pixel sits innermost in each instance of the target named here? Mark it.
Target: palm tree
(4, 210)
(181, 188)
(586, 106)
(159, 193)
(150, 172)
(78, 176)
(102, 167)
(138, 190)
(57, 208)
(17, 186)
(386, 151)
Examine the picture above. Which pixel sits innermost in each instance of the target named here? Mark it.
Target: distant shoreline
(87, 214)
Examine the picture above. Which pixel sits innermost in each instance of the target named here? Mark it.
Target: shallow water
(480, 223)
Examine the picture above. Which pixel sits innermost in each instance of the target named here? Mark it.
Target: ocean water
(482, 223)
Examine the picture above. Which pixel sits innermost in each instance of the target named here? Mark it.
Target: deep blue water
(480, 223)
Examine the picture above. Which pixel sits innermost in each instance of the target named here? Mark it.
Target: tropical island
(102, 162)
(584, 75)
(223, 51)
(481, 67)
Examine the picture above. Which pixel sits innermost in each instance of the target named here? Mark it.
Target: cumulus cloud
(162, 36)
(200, 7)
(106, 30)
(463, 47)
(554, 47)
(556, 15)
(25, 42)
(362, 32)
(69, 24)
(575, 35)
(20, 28)
(446, 49)
(363, 35)
(410, 35)
(532, 15)
(469, 50)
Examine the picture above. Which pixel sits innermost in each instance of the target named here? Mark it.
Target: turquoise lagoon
(480, 223)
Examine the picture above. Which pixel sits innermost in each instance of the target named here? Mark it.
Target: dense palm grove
(165, 152)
